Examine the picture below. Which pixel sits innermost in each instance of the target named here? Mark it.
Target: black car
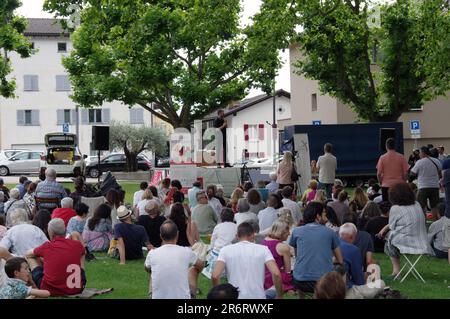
(115, 163)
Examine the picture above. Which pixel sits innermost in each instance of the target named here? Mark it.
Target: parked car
(63, 155)
(115, 163)
(8, 153)
(162, 161)
(26, 162)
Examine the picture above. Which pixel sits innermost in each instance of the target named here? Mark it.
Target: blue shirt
(22, 190)
(14, 289)
(50, 189)
(353, 264)
(272, 187)
(264, 192)
(134, 237)
(315, 245)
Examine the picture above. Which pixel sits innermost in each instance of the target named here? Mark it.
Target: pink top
(284, 173)
(393, 167)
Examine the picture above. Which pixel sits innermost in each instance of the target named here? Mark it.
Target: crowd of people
(264, 239)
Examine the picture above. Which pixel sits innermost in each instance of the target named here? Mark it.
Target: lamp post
(274, 124)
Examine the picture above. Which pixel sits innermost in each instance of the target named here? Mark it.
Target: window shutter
(35, 117)
(20, 117)
(140, 116)
(132, 116)
(73, 117)
(27, 82)
(59, 117)
(34, 83)
(62, 83)
(84, 116)
(106, 116)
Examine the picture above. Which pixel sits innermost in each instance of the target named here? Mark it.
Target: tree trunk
(131, 157)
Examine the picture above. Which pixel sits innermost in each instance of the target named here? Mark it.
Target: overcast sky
(33, 9)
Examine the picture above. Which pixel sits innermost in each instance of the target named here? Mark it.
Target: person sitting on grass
(97, 232)
(146, 197)
(62, 271)
(66, 212)
(435, 234)
(370, 210)
(41, 220)
(288, 203)
(130, 237)
(237, 194)
(330, 286)
(269, 215)
(3, 228)
(243, 214)
(15, 203)
(203, 215)
(174, 269)
(310, 193)
(273, 185)
(375, 224)
(22, 236)
(137, 197)
(281, 252)
(152, 221)
(315, 247)
(187, 230)
(18, 273)
(245, 264)
(77, 223)
(263, 191)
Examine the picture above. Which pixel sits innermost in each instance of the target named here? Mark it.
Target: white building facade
(42, 104)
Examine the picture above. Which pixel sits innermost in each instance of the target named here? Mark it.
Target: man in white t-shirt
(428, 172)
(290, 204)
(137, 197)
(244, 264)
(172, 276)
(327, 165)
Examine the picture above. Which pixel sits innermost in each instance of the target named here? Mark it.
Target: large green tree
(11, 40)
(133, 140)
(178, 59)
(337, 39)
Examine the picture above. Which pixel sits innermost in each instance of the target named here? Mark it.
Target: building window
(136, 116)
(66, 116)
(28, 117)
(62, 83)
(30, 82)
(314, 102)
(252, 132)
(62, 47)
(95, 116)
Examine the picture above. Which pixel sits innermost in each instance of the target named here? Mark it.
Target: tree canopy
(180, 60)
(135, 139)
(11, 40)
(379, 70)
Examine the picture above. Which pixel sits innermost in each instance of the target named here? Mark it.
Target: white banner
(303, 160)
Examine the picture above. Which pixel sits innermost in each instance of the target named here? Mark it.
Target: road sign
(65, 128)
(415, 127)
(316, 122)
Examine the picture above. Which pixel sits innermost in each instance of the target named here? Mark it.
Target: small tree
(135, 139)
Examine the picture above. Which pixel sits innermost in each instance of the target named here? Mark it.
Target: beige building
(308, 104)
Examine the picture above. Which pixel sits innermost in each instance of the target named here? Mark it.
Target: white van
(62, 155)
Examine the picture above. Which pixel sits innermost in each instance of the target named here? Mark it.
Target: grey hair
(348, 228)
(19, 216)
(273, 176)
(67, 202)
(57, 227)
(50, 173)
(243, 205)
(14, 193)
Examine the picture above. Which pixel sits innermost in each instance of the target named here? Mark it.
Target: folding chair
(410, 266)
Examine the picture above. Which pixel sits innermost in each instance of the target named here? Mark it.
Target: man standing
(327, 164)
(315, 245)
(244, 263)
(221, 124)
(172, 276)
(392, 168)
(428, 172)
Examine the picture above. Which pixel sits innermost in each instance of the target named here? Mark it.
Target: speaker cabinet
(100, 138)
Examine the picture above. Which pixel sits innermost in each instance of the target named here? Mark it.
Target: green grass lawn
(131, 281)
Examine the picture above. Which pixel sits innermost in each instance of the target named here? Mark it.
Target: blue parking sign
(65, 128)
(415, 125)
(316, 122)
